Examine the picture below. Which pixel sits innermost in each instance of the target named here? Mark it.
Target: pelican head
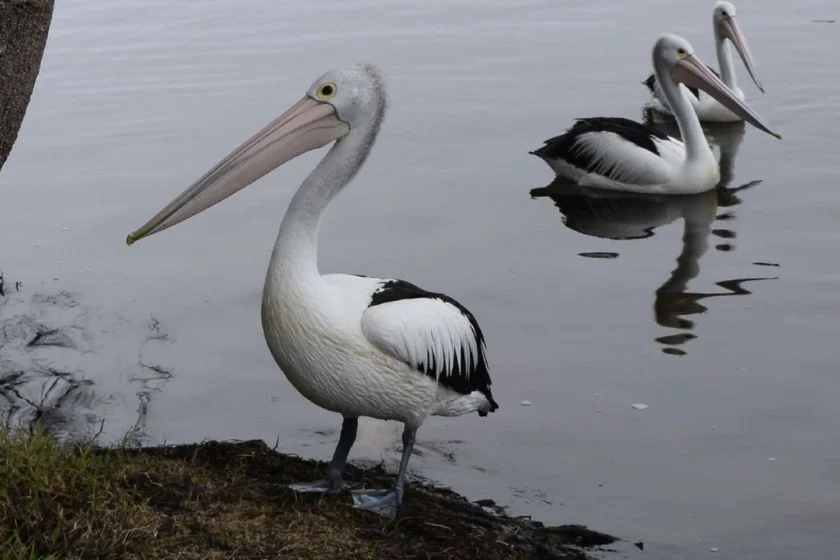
(338, 102)
(676, 56)
(726, 27)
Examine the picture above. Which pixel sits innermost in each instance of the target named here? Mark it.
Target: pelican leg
(387, 502)
(334, 481)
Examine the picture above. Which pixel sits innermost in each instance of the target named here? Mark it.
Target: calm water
(736, 361)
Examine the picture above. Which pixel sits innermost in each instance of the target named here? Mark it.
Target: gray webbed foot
(319, 486)
(384, 502)
(387, 502)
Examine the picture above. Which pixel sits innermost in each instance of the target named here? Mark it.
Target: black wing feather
(566, 145)
(650, 83)
(457, 378)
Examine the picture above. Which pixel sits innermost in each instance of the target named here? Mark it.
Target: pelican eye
(682, 52)
(325, 91)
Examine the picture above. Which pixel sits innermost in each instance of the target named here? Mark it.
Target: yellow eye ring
(326, 91)
(681, 52)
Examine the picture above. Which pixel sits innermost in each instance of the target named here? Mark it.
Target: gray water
(737, 450)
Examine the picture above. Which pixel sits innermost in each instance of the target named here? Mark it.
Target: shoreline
(229, 500)
(211, 499)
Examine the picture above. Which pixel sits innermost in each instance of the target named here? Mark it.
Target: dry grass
(228, 500)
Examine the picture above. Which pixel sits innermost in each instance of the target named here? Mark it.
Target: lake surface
(737, 361)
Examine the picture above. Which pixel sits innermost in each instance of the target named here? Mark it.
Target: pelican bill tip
(131, 238)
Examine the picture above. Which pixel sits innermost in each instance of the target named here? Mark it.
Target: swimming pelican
(354, 345)
(725, 27)
(624, 155)
(621, 216)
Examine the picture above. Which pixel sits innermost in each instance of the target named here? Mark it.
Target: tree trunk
(24, 25)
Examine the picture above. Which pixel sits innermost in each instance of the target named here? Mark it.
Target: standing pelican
(624, 155)
(725, 27)
(354, 345)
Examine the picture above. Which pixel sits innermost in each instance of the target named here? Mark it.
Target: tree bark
(24, 26)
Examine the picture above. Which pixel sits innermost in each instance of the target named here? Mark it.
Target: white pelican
(725, 27)
(354, 345)
(624, 155)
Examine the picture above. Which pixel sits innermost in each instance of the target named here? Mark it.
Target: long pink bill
(732, 31)
(691, 71)
(306, 126)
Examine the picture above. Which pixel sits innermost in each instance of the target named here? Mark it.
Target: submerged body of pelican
(624, 155)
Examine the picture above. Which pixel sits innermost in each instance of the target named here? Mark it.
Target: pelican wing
(616, 148)
(430, 332)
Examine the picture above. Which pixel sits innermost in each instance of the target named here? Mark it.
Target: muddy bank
(229, 500)
(24, 26)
